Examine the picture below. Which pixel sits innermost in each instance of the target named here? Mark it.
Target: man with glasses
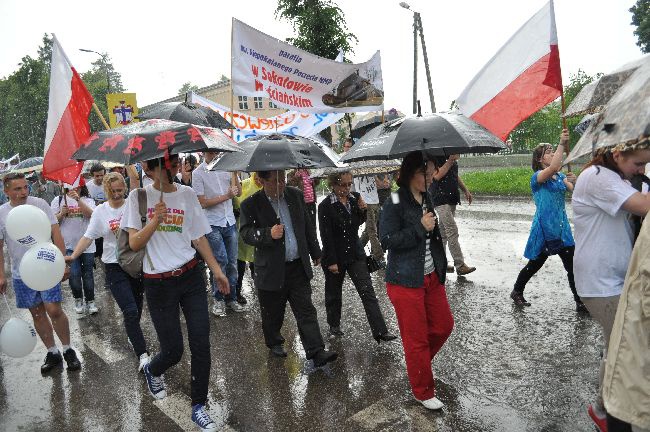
(45, 306)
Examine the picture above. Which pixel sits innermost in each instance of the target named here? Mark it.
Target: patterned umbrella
(594, 96)
(186, 112)
(151, 139)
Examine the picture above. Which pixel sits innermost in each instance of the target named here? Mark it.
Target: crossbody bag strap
(142, 206)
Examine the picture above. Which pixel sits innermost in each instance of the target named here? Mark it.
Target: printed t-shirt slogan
(298, 80)
(172, 222)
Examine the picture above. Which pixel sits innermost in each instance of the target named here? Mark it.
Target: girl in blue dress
(550, 222)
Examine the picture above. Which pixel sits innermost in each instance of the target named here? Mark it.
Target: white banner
(291, 122)
(298, 80)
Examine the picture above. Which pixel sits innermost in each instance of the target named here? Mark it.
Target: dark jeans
(533, 266)
(297, 291)
(81, 270)
(129, 295)
(164, 296)
(616, 425)
(241, 269)
(358, 272)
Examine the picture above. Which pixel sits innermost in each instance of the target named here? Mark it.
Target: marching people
(215, 194)
(73, 212)
(127, 291)
(175, 232)
(274, 220)
(550, 223)
(603, 199)
(301, 179)
(445, 195)
(96, 192)
(44, 306)
(415, 275)
(340, 215)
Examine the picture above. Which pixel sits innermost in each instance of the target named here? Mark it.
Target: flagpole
(234, 177)
(101, 117)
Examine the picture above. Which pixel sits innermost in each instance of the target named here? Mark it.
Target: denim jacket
(403, 235)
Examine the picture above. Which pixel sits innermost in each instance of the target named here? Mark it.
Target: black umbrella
(186, 112)
(152, 139)
(365, 125)
(439, 134)
(274, 152)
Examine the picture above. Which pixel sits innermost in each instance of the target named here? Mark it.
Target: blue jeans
(224, 244)
(129, 295)
(81, 269)
(166, 298)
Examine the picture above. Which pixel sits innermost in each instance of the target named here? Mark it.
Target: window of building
(243, 102)
(258, 102)
(272, 105)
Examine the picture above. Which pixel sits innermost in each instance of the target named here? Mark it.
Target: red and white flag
(521, 78)
(67, 118)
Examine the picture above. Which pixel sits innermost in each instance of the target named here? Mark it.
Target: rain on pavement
(502, 369)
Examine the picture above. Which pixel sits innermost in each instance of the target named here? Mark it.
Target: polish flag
(67, 118)
(520, 79)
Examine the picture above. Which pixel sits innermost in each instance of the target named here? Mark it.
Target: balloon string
(7, 303)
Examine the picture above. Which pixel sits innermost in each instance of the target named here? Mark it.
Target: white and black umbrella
(440, 134)
(185, 112)
(274, 152)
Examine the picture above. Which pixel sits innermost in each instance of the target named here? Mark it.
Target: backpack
(127, 258)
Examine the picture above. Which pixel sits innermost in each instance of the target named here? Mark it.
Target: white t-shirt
(16, 250)
(75, 223)
(146, 180)
(105, 222)
(367, 188)
(170, 246)
(211, 184)
(96, 192)
(603, 233)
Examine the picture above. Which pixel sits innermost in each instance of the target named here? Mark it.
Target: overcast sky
(157, 46)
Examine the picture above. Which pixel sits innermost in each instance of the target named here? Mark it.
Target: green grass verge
(503, 181)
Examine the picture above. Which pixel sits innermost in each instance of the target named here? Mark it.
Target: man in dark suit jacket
(274, 220)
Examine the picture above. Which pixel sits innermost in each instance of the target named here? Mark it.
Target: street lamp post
(417, 27)
(104, 62)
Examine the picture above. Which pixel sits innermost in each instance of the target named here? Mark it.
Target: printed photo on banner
(122, 109)
(295, 79)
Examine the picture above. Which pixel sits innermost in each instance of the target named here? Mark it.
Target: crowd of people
(191, 221)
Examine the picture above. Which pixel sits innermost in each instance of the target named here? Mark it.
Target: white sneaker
(432, 404)
(144, 360)
(79, 306)
(92, 309)
(219, 308)
(236, 307)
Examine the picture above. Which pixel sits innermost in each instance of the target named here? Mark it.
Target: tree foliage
(24, 100)
(187, 87)
(641, 19)
(546, 124)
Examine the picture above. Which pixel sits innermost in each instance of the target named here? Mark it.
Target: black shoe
(580, 307)
(336, 331)
(323, 357)
(278, 351)
(241, 299)
(386, 337)
(51, 361)
(518, 298)
(71, 359)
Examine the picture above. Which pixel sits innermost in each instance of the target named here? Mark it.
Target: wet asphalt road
(502, 369)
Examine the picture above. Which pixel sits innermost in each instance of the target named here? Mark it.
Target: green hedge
(503, 181)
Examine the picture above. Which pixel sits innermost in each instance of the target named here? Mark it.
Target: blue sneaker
(202, 419)
(156, 384)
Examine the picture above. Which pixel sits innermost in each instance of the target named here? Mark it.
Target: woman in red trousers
(415, 275)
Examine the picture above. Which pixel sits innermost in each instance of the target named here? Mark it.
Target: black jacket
(403, 235)
(339, 231)
(256, 219)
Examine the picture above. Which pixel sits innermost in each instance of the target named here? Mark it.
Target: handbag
(373, 264)
(127, 258)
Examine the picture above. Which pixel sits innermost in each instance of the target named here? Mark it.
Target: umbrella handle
(160, 179)
(7, 303)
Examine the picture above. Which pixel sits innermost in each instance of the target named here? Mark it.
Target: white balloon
(17, 338)
(42, 267)
(28, 225)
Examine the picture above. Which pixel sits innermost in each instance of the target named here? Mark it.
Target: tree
(320, 28)
(641, 19)
(546, 124)
(24, 100)
(188, 87)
